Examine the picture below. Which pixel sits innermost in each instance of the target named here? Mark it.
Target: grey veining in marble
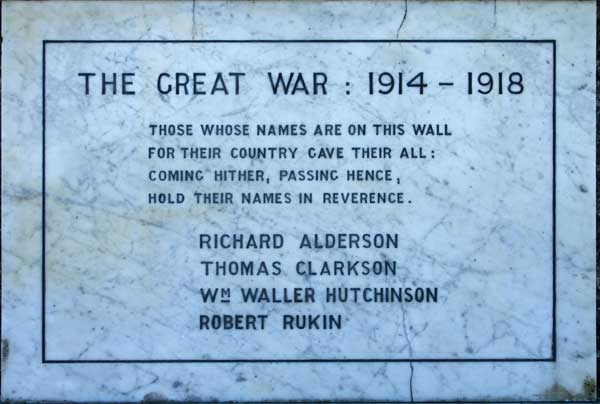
(497, 214)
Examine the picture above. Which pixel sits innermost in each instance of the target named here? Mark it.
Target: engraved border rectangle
(552, 358)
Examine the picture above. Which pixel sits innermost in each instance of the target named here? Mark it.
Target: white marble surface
(122, 276)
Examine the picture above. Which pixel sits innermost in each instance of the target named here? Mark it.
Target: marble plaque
(318, 201)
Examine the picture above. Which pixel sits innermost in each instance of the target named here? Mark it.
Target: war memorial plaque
(343, 201)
